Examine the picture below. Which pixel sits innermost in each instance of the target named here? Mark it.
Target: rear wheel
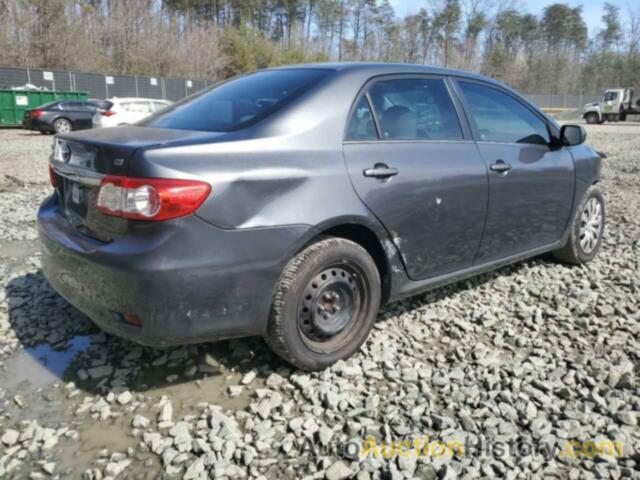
(586, 231)
(592, 118)
(62, 125)
(325, 304)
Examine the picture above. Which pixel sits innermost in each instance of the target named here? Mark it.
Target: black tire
(592, 118)
(573, 252)
(297, 331)
(62, 125)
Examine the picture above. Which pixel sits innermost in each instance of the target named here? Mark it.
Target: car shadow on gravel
(60, 343)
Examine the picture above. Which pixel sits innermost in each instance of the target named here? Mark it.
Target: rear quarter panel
(287, 169)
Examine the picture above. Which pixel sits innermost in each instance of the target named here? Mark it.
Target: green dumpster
(13, 103)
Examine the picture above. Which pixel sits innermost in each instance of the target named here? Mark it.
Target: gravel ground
(525, 372)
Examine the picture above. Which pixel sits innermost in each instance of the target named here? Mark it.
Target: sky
(591, 9)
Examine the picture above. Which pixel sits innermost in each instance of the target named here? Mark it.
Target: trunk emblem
(65, 152)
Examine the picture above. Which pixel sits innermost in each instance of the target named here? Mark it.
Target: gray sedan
(293, 202)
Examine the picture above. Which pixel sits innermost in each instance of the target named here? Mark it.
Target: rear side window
(362, 125)
(415, 109)
(501, 118)
(137, 107)
(239, 102)
(157, 106)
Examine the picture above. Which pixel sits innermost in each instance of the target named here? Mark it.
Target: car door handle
(500, 166)
(380, 170)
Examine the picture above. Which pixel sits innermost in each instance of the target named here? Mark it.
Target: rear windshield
(237, 103)
(49, 105)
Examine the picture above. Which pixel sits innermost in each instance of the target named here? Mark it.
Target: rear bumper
(36, 124)
(187, 280)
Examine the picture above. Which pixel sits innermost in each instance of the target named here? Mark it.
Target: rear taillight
(107, 113)
(36, 113)
(52, 176)
(150, 198)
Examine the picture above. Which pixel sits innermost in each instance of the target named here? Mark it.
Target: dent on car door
(413, 164)
(531, 182)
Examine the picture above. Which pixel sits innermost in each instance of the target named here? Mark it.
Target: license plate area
(77, 198)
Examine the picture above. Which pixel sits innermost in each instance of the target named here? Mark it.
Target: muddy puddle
(38, 379)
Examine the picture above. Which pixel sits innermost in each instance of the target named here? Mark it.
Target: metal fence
(107, 86)
(102, 86)
(570, 102)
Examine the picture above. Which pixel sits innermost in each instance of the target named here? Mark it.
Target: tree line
(550, 53)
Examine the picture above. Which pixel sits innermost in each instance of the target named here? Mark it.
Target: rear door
(531, 183)
(80, 113)
(414, 164)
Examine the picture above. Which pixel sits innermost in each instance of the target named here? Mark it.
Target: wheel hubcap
(330, 304)
(64, 127)
(591, 225)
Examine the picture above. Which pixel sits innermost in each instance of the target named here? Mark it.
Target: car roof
(381, 68)
(138, 99)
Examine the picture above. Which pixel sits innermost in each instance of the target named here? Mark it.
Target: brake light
(107, 113)
(52, 176)
(150, 199)
(36, 113)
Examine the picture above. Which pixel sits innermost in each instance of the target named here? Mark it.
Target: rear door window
(239, 102)
(415, 109)
(362, 125)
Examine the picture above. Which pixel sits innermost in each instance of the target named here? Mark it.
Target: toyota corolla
(292, 203)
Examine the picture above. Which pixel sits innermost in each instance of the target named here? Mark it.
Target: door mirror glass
(571, 135)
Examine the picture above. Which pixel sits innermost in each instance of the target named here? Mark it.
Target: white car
(127, 111)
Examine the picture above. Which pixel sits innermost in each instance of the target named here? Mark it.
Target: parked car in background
(293, 202)
(62, 116)
(127, 111)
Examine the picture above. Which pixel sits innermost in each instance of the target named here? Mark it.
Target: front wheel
(325, 304)
(592, 118)
(586, 231)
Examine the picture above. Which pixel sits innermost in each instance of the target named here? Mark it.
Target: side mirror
(571, 135)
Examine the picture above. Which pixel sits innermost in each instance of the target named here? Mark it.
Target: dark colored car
(62, 116)
(292, 203)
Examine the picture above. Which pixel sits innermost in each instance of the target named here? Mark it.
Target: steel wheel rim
(332, 306)
(63, 126)
(591, 222)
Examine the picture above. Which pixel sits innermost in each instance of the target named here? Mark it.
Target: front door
(416, 168)
(531, 184)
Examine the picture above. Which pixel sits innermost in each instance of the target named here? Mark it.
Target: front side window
(501, 118)
(415, 109)
(239, 102)
(361, 125)
(610, 96)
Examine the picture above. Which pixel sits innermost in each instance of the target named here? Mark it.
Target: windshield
(239, 102)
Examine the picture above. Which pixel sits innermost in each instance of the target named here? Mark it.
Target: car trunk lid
(80, 161)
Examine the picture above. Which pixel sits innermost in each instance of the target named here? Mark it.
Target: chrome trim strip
(77, 174)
